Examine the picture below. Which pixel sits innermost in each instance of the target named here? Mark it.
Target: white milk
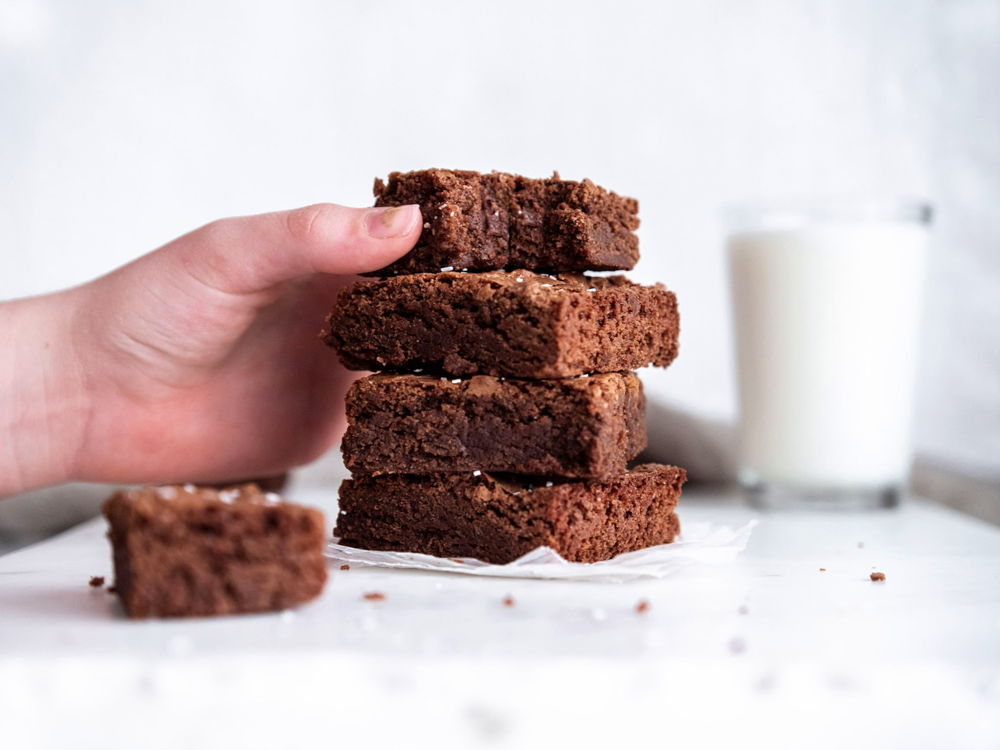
(826, 320)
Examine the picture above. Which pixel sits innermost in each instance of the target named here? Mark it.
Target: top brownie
(495, 221)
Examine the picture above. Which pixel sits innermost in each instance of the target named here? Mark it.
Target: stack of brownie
(508, 410)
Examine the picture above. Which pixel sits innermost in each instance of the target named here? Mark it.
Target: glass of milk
(826, 305)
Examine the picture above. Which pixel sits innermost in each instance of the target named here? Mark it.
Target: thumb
(253, 253)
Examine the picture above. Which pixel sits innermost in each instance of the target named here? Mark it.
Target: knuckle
(216, 233)
(306, 225)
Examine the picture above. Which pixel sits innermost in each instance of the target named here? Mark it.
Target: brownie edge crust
(182, 551)
(498, 518)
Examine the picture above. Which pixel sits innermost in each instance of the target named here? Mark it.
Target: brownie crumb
(345, 566)
(642, 606)
(877, 576)
(744, 609)
(508, 601)
(737, 645)
(96, 581)
(112, 589)
(374, 596)
(822, 570)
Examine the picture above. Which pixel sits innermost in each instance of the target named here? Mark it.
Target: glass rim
(790, 213)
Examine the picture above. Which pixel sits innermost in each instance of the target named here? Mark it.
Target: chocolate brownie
(486, 222)
(516, 324)
(418, 424)
(183, 551)
(498, 518)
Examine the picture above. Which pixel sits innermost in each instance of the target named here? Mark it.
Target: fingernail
(394, 221)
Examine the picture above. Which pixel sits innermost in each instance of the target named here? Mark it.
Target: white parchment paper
(699, 543)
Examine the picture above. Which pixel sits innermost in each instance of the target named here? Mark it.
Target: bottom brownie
(498, 518)
(183, 551)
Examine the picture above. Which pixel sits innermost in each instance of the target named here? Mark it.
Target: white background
(123, 125)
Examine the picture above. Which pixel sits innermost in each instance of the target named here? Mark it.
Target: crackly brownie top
(601, 385)
(521, 282)
(516, 484)
(188, 495)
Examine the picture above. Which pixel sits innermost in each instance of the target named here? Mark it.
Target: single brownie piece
(486, 222)
(516, 324)
(181, 551)
(499, 518)
(418, 424)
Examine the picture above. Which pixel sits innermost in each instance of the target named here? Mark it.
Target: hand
(197, 362)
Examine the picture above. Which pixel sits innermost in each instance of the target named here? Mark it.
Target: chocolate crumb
(744, 609)
(345, 566)
(642, 607)
(112, 589)
(96, 581)
(508, 601)
(374, 596)
(877, 576)
(822, 570)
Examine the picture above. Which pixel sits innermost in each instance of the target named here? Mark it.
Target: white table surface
(816, 659)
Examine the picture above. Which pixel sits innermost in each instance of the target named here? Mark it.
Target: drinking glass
(826, 309)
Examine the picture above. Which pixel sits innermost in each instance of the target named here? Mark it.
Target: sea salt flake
(427, 225)
(476, 473)
(227, 496)
(166, 493)
(189, 488)
(457, 380)
(519, 279)
(272, 497)
(548, 484)
(546, 285)
(447, 268)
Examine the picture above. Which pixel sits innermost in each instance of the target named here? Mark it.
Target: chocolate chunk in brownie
(419, 424)
(485, 222)
(183, 551)
(516, 324)
(498, 518)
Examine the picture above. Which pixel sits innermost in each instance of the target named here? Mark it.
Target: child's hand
(199, 361)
